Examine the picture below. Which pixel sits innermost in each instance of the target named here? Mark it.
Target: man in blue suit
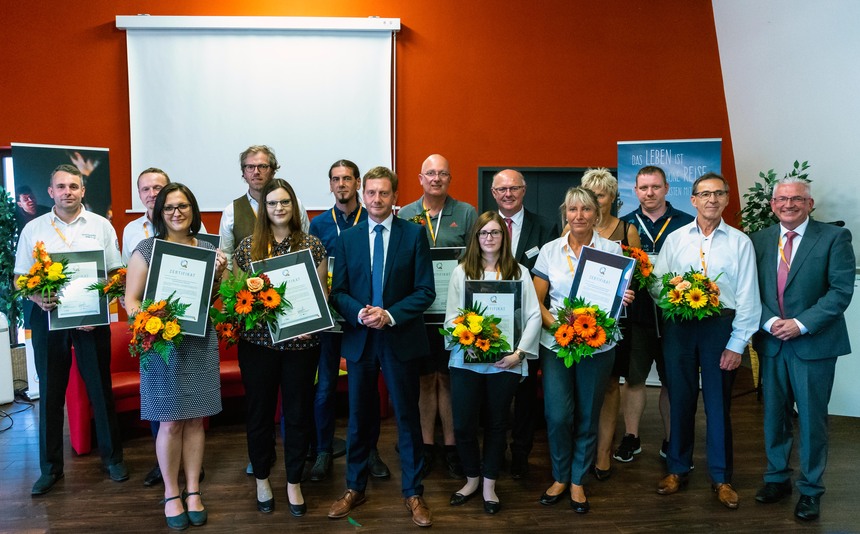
(806, 276)
(382, 284)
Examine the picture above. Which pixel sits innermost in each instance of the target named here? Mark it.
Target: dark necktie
(378, 267)
(510, 224)
(784, 267)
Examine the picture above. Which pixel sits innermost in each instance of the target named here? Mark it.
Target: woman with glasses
(289, 366)
(572, 396)
(182, 392)
(487, 385)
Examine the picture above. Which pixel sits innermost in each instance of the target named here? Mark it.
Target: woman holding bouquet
(490, 385)
(573, 396)
(186, 389)
(290, 365)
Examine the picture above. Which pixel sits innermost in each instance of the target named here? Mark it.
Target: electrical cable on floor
(4, 415)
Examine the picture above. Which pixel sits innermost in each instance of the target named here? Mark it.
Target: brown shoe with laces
(419, 510)
(345, 504)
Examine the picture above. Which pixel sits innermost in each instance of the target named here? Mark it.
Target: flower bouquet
(478, 335)
(421, 218)
(113, 287)
(580, 329)
(45, 276)
(644, 272)
(155, 327)
(248, 301)
(689, 296)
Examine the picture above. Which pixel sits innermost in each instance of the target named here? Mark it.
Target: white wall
(791, 71)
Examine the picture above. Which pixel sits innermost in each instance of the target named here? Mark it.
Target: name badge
(532, 252)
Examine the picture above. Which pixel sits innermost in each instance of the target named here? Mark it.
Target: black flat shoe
(580, 507)
(492, 507)
(600, 474)
(298, 510)
(176, 522)
(549, 500)
(198, 519)
(267, 507)
(458, 499)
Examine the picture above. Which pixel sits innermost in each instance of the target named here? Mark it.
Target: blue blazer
(817, 292)
(408, 288)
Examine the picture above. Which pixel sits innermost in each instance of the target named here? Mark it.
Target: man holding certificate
(713, 249)
(69, 227)
(382, 284)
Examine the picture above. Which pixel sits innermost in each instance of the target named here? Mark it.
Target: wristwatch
(520, 354)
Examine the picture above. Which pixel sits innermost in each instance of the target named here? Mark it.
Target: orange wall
(549, 83)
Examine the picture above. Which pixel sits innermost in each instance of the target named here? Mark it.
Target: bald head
(509, 190)
(435, 176)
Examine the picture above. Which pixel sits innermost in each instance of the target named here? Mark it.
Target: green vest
(244, 220)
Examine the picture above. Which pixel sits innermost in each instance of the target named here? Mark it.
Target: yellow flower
(55, 272)
(675, 296)
(697, 298)
(21, 282)
(699, 276)
(153, 325)
(458, 330)
(475, 323)
(170, 330)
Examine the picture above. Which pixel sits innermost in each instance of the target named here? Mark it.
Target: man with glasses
(258, 165)
(713, 344)
(448, 223)
(529, 233)
(69, 227)
(806, 275)
(344, 182)
(655, 219)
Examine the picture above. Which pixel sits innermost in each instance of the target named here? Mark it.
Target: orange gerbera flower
(155, 306)
(244, 302)
(35, 268)
(33, 282)
(714, 300)
(585, 325)
(564, 335)
(140, 320)
(270, 298)
(458, 319)
(467, 338)
(483, 344)
(598, 339)
(646, 270)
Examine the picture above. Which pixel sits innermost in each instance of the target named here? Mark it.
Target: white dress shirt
(516, 229)
(728, 253)
(136, 231)
(795, 243)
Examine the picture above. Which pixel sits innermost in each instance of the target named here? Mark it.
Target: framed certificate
(187, 273)
(502, 299)
(78, 305)
(212, 239)
(309, 312)
(444, 259)
(601, 278)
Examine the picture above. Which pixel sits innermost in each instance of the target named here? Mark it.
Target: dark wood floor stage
(87, 501)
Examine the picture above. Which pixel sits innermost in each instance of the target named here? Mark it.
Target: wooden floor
(87, 501)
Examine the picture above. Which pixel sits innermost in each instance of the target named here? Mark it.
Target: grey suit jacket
(817, 292)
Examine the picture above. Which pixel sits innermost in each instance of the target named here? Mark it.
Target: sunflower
(699, 277)
(244, 302)
(482, 344)
(270, 298)
(585, 325)
(467, 338)
(564, 335)
(696, 298)
(598, 339)
(676, 296)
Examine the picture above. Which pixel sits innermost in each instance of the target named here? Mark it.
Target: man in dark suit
(382, 284)
(806, 276)
(529, 233)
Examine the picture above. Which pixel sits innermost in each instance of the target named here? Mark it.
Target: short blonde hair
(581, 195)
(600, 180)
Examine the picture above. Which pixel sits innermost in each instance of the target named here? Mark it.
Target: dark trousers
(264, 371)
(327, 376)
(470, 392)
(687, 347)
(401, 377)
(526, 412)
(53, 358)
(787, 379)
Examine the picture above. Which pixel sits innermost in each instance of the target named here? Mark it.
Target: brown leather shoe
(726, 494)
(420, 513)
(671, 484)
(342, 506)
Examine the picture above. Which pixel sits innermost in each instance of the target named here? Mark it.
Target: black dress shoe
(267, 507)
(773, 492)
(297, 510)
(492, 507)
(458, 499)
(580, 507)
(808, 508)
(118, 472)
(153, 477)
(322, 467)
(376, 466)
(600, 474)
(45, 483)
(549, 500)
(519, 466)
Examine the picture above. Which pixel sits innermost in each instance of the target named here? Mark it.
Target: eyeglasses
(705, 195)
(171, 209)
(484, 234)
(793, 200)
(262, 166)
(274, 203)
(512, 189)
(434, 174)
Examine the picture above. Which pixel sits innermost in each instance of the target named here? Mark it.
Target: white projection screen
(202, 89)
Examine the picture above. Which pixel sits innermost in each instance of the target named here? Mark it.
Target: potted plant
(8, 242)
(757, 214)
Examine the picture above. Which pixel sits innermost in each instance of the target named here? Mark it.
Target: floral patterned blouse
(242, 258)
